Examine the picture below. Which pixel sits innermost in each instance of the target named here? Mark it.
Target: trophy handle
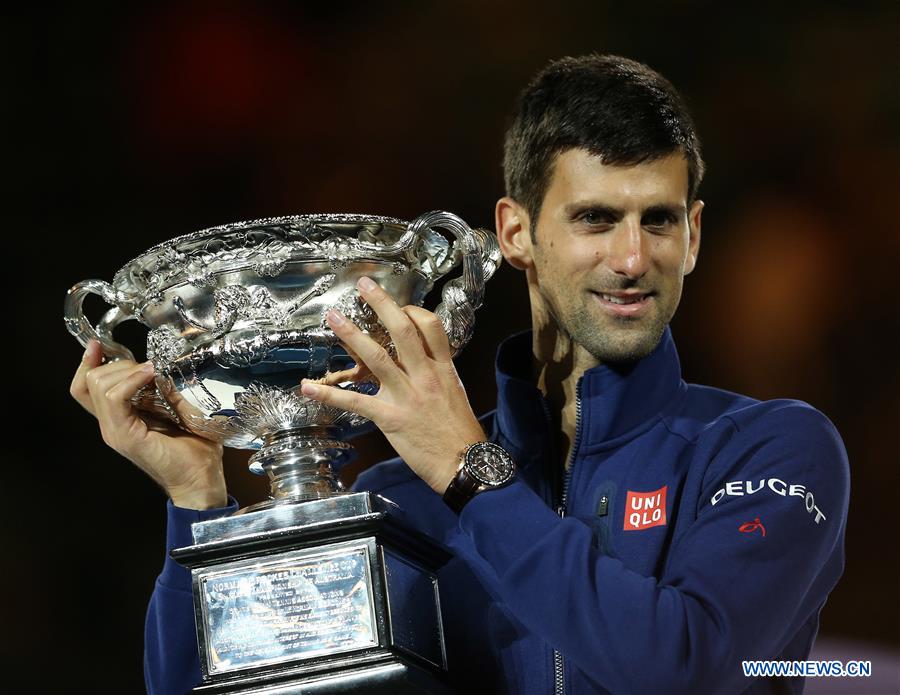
(82, 329)
(462, 296)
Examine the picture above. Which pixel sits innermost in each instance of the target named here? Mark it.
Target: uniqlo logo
(645, 509)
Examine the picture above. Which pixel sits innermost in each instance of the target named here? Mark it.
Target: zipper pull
(603, 507)
(561, 511)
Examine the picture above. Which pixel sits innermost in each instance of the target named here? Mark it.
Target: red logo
(645, 510)
(751, 526)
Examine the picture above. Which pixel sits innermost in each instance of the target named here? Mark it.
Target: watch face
(489, 463)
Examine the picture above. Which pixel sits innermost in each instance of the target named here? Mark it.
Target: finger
(124, 390)
(437, 344)
(358, 363)
(109, 368)
(370, 353)
(97, 380)
(158, 424)
(404, 333)
(112, 394)
(91, 369)
(78, 389)
(357, 373)
(351, 401)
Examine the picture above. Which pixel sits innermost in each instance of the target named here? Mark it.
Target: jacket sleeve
(722, 597)
(171, 658)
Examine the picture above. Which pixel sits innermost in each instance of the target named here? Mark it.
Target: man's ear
(514, 233)
(694, 215)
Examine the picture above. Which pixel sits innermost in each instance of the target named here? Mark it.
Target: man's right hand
(189, 468)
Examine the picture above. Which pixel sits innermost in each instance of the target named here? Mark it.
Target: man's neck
(557, 364)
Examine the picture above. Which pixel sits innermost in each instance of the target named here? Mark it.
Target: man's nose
(628, 250)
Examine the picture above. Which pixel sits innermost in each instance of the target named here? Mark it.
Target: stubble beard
(615, 340)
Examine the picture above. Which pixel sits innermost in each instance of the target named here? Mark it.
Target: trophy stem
(298, 463)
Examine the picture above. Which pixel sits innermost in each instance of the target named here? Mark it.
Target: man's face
(613, 244)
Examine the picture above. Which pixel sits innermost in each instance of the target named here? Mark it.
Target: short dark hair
(614, 107)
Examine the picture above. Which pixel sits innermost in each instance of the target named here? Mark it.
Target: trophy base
(391, 676)
(331, 595)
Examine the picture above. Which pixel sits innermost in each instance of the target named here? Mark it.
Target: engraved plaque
(305, 604)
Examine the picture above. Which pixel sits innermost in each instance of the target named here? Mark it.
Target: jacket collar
(616, 402)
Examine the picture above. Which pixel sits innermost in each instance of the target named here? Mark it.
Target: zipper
(567, 479)
(559, 683)
(559, 680)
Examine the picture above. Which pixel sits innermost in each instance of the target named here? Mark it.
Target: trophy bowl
(236, 319)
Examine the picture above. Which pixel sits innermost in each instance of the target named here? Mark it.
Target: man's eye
(596, 217)
(658, 220)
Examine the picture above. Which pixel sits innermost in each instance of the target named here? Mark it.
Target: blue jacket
(694, 528)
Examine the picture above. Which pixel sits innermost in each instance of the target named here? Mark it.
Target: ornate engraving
(290, 444)
(457, 315)
(230, 302)
(273, 261)
(170, 411)
(264, 409)
(169, 257)
(197, 387)
(235, 303)
(244, 350)
(339, 253)
(164, 345)
(200, 276)
(262, 308)
(153, 297)
(319, 287)
(265, 246)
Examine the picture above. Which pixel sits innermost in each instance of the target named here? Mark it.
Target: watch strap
(461, 489)
(465, 485)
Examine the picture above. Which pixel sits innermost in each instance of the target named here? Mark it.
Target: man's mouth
(624, 303)
(623, 298)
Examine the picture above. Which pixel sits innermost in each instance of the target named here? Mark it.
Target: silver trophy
(315, 589)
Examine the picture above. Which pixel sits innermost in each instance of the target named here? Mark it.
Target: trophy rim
(124, 282)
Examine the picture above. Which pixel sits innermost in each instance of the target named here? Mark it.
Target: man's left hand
(421, 407)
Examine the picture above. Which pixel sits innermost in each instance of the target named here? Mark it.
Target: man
(652, 534)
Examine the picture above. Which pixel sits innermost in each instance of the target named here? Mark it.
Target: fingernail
(309, 389)
(148, 367)
(88, 351)
(336, 318)
(366, 284)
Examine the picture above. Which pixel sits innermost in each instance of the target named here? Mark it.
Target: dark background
(131, 126)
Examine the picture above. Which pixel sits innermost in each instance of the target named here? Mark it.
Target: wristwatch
(482, 466)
